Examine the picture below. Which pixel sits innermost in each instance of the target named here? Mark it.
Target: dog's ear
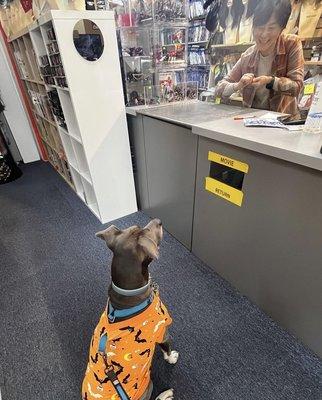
(148, 246)
(109, 235)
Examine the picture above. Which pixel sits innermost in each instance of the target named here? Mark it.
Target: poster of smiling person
(269, 75)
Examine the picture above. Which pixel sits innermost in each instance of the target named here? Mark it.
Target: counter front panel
(270, 247)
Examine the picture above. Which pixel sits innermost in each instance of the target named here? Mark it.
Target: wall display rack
(84, 134)
(153, 38)
(198, 36)
(162, 46)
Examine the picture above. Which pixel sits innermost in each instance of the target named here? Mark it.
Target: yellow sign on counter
(229, 162)
(309, 88)
(226, 192)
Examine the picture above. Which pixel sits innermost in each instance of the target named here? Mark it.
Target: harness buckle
(110, 312)
(111, 318)
(155, 287)
(109, 368)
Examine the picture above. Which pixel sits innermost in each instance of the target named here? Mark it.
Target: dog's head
(134, 243)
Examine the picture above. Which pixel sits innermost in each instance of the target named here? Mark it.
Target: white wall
(15, 112)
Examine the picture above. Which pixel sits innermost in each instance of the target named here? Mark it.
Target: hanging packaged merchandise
(89, 5)
(245, 32)
(197, 33)
(145, 11)
(197, 56)
(318, 30)
(311, 12)
(230, 61)
(293, 22)
(231, 32)
(101, 5)
(127, 19)
(169, 10)
(135, 99)
(231, 12)
(214, 39)
(196, 9)
(212, 20)
(219, 72)
(199, 75)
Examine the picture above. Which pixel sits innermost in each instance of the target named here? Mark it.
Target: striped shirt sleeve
(292, 83)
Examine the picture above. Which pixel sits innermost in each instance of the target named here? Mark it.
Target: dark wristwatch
(270, 84)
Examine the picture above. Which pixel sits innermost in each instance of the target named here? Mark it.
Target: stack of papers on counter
(270, 123)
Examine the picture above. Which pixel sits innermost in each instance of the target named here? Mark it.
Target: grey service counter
(269, 247)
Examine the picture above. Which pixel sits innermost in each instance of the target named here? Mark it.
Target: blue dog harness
(112, 315)
(127, 312)
(110, 369)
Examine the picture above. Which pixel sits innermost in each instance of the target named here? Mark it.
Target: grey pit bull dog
(135, 320)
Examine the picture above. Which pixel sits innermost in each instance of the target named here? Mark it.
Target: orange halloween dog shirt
(130, 348)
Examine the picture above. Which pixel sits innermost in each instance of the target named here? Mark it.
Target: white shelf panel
(70, 153)
(86, 175)
(45, 19)
(63, 130)
(85, 191)
(90, 197)
(75, 138)
(77, 179)
(46, 119)
(33, 81)
(65, 89)
(38, 43)
(74, 167)
(69, 150)
(94, 209)
(44, 28)
(34, 27)
(81, 159)
(69, 114)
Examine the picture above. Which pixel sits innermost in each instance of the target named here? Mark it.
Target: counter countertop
(189, 114)
(216, 122)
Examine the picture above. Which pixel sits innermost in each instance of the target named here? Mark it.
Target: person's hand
(245, 80)
(261, 81)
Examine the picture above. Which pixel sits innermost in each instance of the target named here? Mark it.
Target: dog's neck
(129, 275)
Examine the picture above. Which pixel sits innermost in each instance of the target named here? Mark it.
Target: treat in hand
(245, 80)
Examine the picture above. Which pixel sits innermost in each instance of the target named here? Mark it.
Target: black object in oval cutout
(88, 40)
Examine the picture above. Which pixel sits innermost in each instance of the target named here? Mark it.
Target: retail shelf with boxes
(29, 68)
(198, 36)
(85, 138)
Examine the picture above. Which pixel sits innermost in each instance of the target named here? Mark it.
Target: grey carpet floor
(54, 276)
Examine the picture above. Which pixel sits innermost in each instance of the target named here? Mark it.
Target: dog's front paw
(168, 395)
(172, 358)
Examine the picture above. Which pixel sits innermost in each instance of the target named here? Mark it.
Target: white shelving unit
(93, 143)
